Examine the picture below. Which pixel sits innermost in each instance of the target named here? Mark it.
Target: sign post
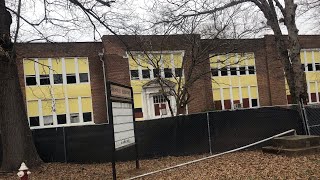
(122, 120)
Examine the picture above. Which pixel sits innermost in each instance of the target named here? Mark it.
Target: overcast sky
(123, 17)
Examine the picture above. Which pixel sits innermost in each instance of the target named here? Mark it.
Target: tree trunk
(290, 59)
(299, 77)
(17, 142)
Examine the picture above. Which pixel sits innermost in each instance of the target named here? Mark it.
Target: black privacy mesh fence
(182, 135)
(313, 119)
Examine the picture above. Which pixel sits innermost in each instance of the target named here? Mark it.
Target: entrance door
(160, 105)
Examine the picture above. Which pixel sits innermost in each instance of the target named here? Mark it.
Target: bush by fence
(181, 135)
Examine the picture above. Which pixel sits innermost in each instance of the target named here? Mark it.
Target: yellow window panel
(220, 82)
(166, 60)
(215, 85)
(60, 106)
(226, 93)
(242, 57)
(254, 92)
(86, 104)
(73, 105)
(287, 89)
(70, 66)
(214, 61)
(316, 56)
(312, 87)
(75, 90)
(137, 100)
(232, 59)
(216, 94)
(37, 92)
(136, 86)
(318, 87)
(29, 68)
(58, 91)
(250, 59)
(223, 60)
(248, 80)
(43, 66)
(46, 107)
(156, 59)
(235, 93)
(133, 62)
(144, 61)
(308, 56)
(83, 65)
(33, 108)
(244, 91)
(313, 76)
(56, 66)
(177, 58)
(234, 80)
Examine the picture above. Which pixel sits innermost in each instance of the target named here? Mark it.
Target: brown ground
(241, 165)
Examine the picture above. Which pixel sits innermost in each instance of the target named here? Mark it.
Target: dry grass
(240, 165)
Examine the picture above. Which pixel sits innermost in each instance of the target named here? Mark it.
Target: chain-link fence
(312, 119)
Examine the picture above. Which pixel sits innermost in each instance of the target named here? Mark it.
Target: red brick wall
(275, 73)
(270, 77)
(51, 50)
(115, 48)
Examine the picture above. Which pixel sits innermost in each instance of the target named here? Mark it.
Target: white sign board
(123, 124)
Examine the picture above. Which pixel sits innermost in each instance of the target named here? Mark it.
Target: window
(62, 119)
(31, 80)
(134, 74)
(178, 72)
(34, 121)
(71, 79)
(167, 73)
(159, 99)
(138, 113)
(302, 67)
(242, 70)
(214, 72)
(83, 77)
(251, 70)
(74, 118)
(310, 67)
(57, 79)
(87, 117)
(44, 79)
(156, 73)
(317, 66)
(224, 71)
(254, 102)
(47, 120)
(233, 71)
(145, 74)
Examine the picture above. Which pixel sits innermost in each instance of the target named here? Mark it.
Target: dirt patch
(240, 165)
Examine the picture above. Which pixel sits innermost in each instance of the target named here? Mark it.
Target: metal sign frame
(126, 97)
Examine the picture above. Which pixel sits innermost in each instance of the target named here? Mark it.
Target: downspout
(101, 55)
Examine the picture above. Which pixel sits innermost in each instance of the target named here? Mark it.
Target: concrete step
(296, 141)
(292, 152)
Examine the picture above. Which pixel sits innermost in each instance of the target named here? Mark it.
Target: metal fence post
(209, 133)
(305, 118)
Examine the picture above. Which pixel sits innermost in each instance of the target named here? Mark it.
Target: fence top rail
(215, 155)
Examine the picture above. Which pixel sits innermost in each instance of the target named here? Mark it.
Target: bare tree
(276, 14)
(195, 63)
(17, 142)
